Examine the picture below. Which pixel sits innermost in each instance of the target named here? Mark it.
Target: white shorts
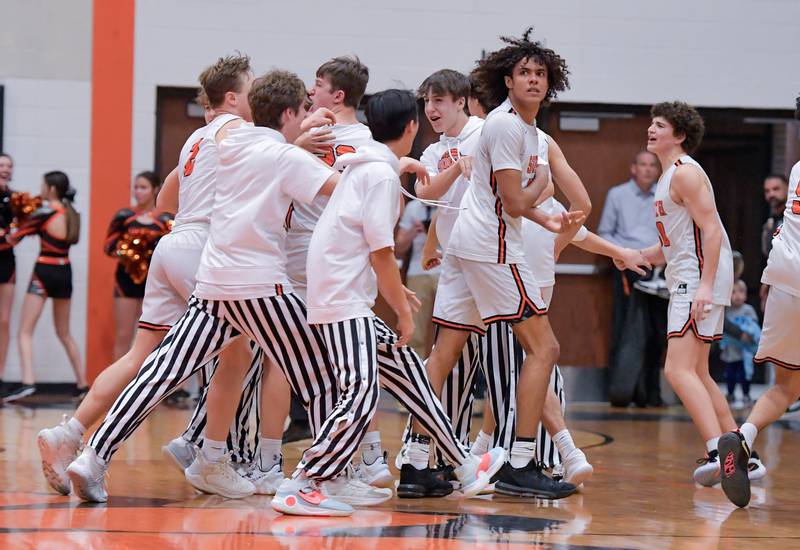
(781, 327)
(471, 295)
(679, 321)
(171, 278)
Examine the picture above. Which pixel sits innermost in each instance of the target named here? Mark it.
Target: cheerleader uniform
(8, 265)
(52, 273)
(127, 221)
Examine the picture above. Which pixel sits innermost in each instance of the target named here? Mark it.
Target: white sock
(564, 443)
(711, 444)
(419, 451)
(371, 447)
(214, 451)
(269, 453)
(75, 425)
(481, 444)
(522, 452)
(749, 431)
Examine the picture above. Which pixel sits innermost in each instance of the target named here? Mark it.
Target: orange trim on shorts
(690, 323)
(279, 289)
(778, 362)
(524, 300)
(144, 325)
(458, 326)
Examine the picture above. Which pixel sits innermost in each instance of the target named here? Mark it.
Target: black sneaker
(422, 483)
(297, 431)
(24, 390)
(447, 472)
(734, 455)
(529, 481)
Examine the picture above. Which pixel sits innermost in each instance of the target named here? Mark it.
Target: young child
(738, 352)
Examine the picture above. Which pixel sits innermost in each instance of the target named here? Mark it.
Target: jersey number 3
(188, 168)
(662, 234)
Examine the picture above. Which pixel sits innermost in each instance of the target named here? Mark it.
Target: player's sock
(481, 444)
(564, 443)
(522, 451)
(711, 444)
(75, 425)
(214, 451)
(749, 431)
(419, 451)
(269, 454)
(371, 447)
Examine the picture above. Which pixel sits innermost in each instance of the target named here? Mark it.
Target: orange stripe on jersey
(287, 222)
(152, 326)
(501, 223)
(698, 247)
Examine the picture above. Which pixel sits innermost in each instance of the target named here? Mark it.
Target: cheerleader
(8, 268)
(132, 237)
(58, 227)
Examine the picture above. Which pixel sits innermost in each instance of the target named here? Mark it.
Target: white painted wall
(45, 69)
(712, 53)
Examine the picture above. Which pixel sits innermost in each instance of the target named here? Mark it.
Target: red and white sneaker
(301, 496)
(476, 472)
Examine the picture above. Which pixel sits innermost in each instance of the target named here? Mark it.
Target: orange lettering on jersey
(189, 166)
(532, 162)
(796, 206)
(449, 158)
(330, 155)
(659, 208)
(662, 234)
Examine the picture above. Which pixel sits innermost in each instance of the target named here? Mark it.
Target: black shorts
(51, 281)
(124, 287)
(8, 267)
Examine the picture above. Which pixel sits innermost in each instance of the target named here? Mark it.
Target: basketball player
(778, 345)
(699, 273)
(171, 277)
(351, 258)
(484, 275)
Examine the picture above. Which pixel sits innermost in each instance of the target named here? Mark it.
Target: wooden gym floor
(641, 496)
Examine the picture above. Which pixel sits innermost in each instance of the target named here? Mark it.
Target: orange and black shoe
(734, 455)
(423, 483)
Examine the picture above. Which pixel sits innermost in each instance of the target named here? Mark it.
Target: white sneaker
(58, 447)
(708, 474)
(476, 472)
(181, 453)
(265, 483)
(755, 468)
(376, 474)
(350, 490)
(576, 468)
(87, 473)
(217, 478)
(301, 496)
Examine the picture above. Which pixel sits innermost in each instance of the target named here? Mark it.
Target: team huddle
(286, 207)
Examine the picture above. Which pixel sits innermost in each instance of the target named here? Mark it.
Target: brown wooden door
(174, 125)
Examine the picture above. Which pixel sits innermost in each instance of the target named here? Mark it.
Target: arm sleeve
(505, 139)
(302, 174)
(608, 218)
(379, 210)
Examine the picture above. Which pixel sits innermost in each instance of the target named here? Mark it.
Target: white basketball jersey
(347, 138)
(783, 266)
(197, 173)
(441, 155)
(682, 243)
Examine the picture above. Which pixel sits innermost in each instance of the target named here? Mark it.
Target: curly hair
(272, 94)
(476, 91)
(491, 71)
(685, 121)
(224, 76)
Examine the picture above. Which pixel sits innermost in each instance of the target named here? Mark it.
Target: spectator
(628, 220)
(738, 350)
(776, 191)
(409, 243)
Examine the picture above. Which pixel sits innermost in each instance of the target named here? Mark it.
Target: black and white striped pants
(242, 446)
(278, 325)
(501, 356)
